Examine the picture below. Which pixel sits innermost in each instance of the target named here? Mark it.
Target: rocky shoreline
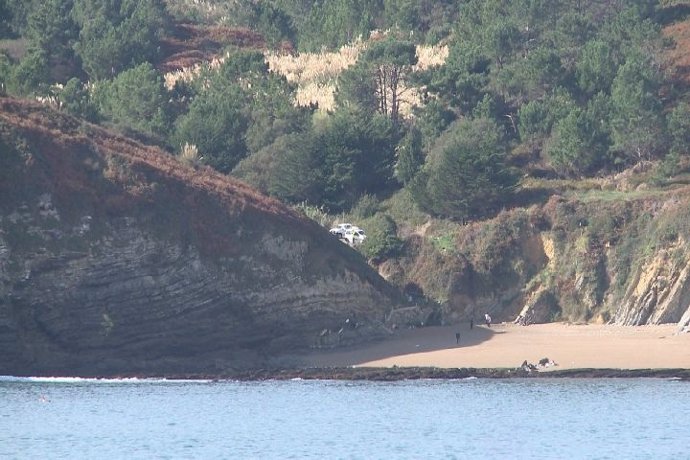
(378, 374)
(418, 373)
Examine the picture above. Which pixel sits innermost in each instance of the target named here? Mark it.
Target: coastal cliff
(615, 257)
(115, 258)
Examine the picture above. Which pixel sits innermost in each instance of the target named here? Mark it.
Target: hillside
(612, 249)
(115, 258)
(606, 256)
(519, 161)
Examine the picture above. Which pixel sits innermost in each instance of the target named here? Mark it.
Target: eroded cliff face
(114, 259)
(659, 292)
(625, 262)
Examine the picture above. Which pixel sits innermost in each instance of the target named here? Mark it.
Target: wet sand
(508, 345)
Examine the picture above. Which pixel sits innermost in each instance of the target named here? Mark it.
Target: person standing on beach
(471, 323)
(457, 337)
(487, 318)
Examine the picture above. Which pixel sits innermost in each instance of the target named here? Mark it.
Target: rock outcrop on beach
(116, 258)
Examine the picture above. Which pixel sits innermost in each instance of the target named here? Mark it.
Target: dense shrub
(136, 99)
(466, 174)
(491, 245)
(76, 99)
(366, 206)
(114, 36)
(216, 123)
(382, 239)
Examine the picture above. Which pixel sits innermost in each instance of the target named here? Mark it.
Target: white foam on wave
(10, 378)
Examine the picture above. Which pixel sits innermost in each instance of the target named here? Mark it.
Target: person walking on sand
(457, 337)
(487, 318)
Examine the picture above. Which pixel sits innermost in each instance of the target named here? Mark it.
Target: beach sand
(507, 345)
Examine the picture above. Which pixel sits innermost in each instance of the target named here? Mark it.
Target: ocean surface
(43, 418)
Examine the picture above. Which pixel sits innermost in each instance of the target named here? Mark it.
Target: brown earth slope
(189, 44)
(115, 258)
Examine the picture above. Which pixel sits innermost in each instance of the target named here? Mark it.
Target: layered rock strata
(116, 258)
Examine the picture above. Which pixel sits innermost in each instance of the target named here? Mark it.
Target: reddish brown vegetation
(193, 44)
(87, 165)
(678, 57)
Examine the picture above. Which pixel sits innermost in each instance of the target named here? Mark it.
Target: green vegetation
(535, 97)
(466, 173)
(579, 85)
(376, 82)
(114, 36)
(135, 99)
(382, 240)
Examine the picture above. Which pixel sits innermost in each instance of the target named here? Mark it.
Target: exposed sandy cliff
(624, 261)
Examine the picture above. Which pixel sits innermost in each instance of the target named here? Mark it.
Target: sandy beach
(507, 345)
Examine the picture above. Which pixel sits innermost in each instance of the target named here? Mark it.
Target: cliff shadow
(401, 342)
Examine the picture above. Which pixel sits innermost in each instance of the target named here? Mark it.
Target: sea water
(475, 418)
